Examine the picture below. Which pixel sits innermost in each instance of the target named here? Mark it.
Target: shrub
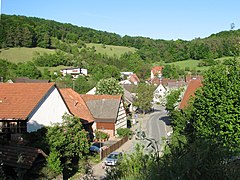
(122, 132)
(101, 135)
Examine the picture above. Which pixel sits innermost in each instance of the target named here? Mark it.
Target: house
(28, 80)
(26, 107)
(17, 156)
(156, 72)
(124, 75)
(189, 77)
(134, 79)
(108, 112)
(74, 72)
(193, 85)
(78, 108)
(159, 93)
(97, 112)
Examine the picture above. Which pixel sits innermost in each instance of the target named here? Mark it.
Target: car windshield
(113, 156)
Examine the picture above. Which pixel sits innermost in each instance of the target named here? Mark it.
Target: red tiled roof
(76, 104)
(193, 85)
(133, 78)
(157, 69)
(18, 100)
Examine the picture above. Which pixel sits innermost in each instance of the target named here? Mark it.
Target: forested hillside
(21, 31)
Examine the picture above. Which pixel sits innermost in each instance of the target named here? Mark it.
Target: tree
(109, 86)
(144, 96)
(27, 69)
(216, 109)
(67, 141)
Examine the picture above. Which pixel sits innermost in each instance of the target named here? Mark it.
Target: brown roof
(18, 100)
(134, 78)
(19, 156)
(103, 107)
(193, 85)
(28, 80)
(76, 104)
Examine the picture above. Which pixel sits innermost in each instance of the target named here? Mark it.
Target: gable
(18, 100)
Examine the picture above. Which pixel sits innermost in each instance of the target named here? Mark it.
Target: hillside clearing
(111, 50)
(22, 54)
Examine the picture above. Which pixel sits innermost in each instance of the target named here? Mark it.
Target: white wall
(121, 118)
(50, 110)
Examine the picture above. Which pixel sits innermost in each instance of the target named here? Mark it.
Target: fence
(113, 147)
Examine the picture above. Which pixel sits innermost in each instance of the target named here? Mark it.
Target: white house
(29, 106)
(74, 72)
(159, 93)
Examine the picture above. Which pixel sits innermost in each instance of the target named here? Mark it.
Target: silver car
(113, 159)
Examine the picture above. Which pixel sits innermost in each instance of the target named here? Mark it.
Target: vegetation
(144, 97)
(109, 86)
(205, 138)
(100, 135)
(122, 132)
(68, 143)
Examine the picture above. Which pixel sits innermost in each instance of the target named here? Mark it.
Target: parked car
(113, 158)
(94, 149)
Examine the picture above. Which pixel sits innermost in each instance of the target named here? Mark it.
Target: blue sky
(157, 19)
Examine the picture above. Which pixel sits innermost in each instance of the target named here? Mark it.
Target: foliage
(173, 99)
(27, 69)
(67, 140)
(122, 132)
(172, 71)
(54, 162)
(134, 166)
(144, 96)
(216, 112)
(103, 72)
(101, 135)
(109, 86)
(7, 70)
(21, 31)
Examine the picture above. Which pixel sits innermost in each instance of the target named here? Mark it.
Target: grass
(22, 54)
(111, 50)
(193, 64)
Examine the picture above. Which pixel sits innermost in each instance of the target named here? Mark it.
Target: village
(28, 105)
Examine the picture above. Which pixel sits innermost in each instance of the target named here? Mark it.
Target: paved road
(158, 125)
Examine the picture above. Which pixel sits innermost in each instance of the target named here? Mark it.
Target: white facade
(74, 72)
(121, 121)
(50, 110)
(159, 93)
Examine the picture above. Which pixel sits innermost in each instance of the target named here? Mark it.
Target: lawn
(22, 54)
(110, 50)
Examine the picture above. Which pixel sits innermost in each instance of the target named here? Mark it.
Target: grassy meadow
(111, 50)
(22, 54)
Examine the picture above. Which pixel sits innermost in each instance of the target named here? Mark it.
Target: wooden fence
(106, 152)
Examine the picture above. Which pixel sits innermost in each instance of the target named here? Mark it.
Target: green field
(193, 64)
(111, 50)
(22, 54)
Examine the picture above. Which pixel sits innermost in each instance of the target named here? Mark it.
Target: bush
(122, 132)
(101, 135)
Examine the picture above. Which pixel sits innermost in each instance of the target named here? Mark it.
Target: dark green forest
(21, 31)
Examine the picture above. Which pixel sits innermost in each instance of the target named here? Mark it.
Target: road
(158, 125)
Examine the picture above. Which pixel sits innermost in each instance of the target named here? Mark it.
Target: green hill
(22, 54)
(111, 50)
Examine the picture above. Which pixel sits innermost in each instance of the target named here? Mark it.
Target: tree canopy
(109, 86)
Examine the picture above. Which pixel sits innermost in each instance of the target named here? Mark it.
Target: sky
(157, 19)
